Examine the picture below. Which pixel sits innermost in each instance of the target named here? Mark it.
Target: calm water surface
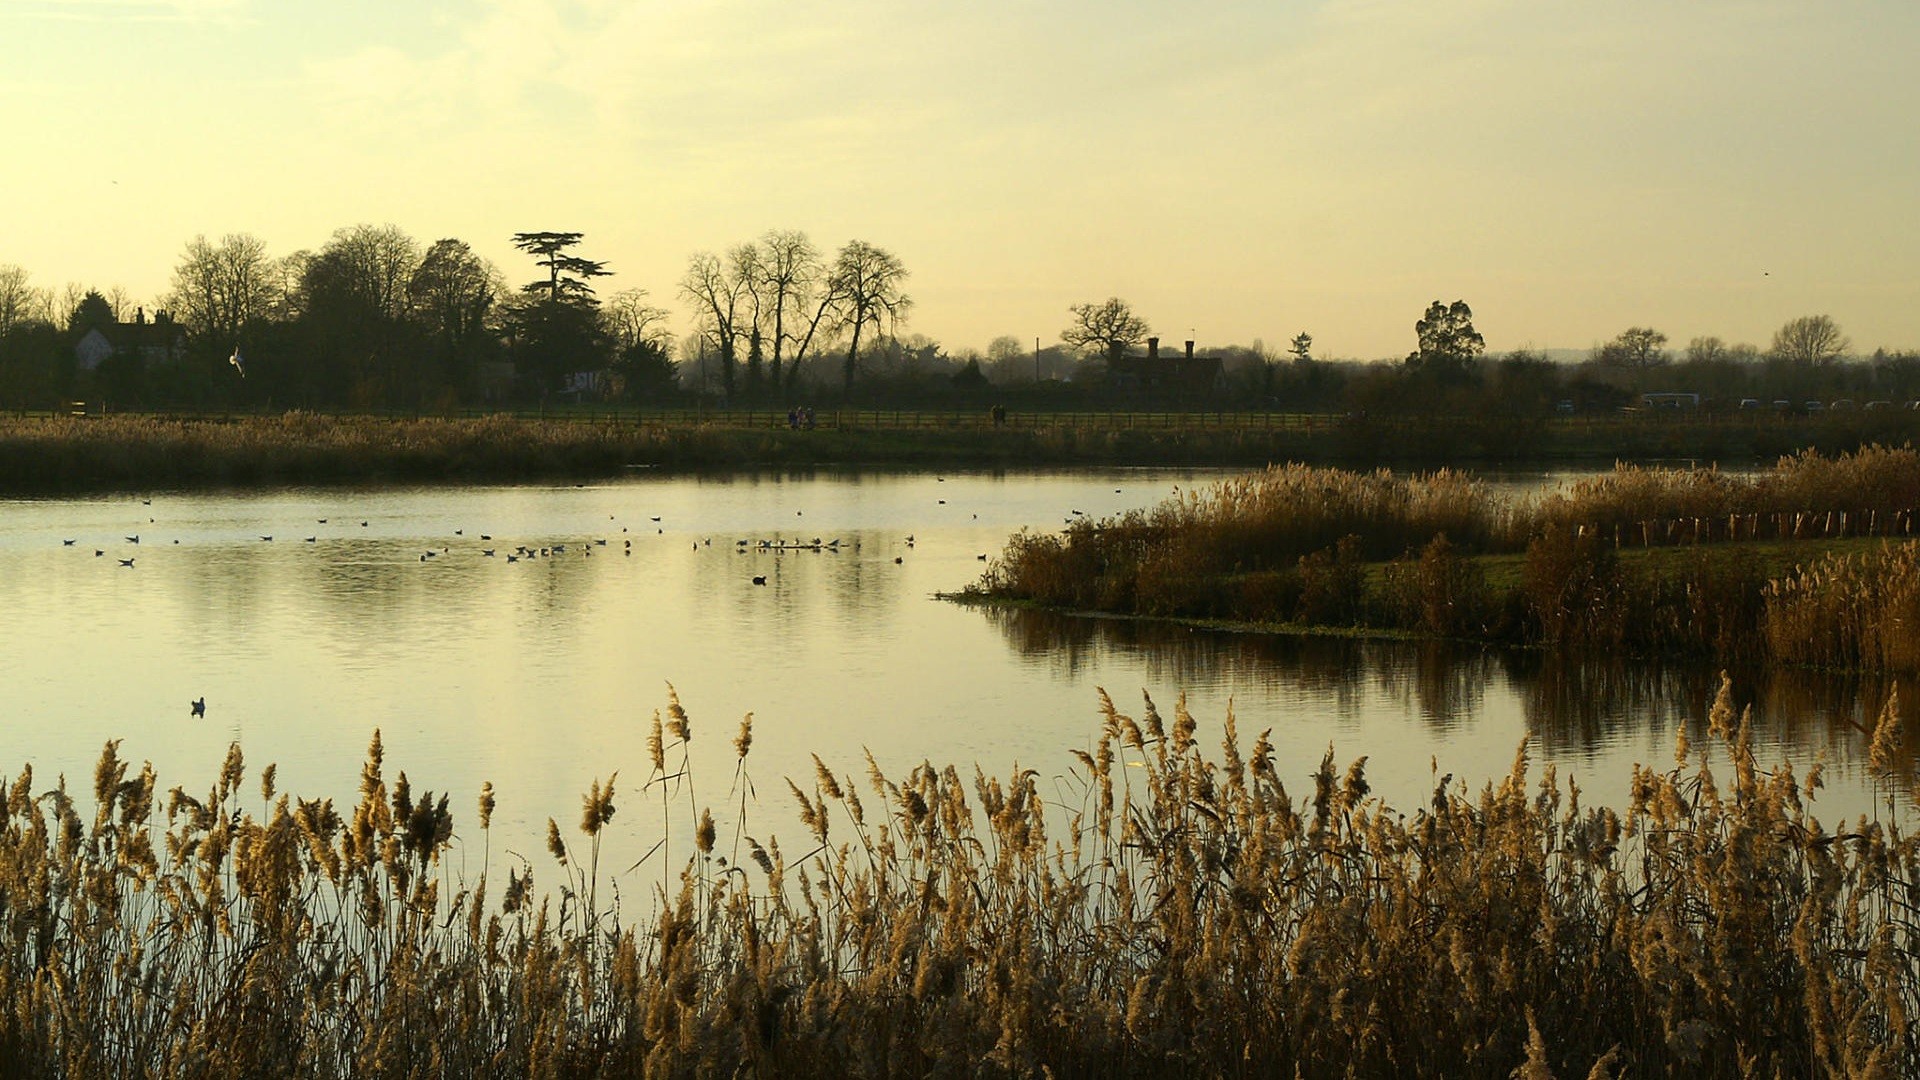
(381, 610)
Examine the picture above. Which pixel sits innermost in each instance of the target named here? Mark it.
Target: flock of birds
(776, 545)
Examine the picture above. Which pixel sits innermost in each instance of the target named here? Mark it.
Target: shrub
(1332, 585)
(1438, 592)
(1571, 580)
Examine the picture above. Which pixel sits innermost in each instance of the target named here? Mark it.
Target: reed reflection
(1575, 708)
(1445, 684)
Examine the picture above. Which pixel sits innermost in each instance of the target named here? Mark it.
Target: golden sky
(1234, 170)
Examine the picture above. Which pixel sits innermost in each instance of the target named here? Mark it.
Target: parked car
(1843, 405)
(1816, 406)
(1749, 403)
(1871, 405)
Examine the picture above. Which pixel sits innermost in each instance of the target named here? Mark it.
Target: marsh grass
(1671, 562)
(141, 451)
(1155, 909)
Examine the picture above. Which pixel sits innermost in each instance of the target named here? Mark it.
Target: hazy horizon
(1236, 171)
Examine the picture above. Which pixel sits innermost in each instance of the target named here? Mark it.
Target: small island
(1810, 562)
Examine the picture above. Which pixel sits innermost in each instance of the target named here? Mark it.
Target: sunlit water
(380, 610)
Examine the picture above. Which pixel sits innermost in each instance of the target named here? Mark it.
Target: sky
(1233, 170)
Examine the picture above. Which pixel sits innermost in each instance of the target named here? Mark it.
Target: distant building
(585, 385)
(1167, 377)
(160, 341)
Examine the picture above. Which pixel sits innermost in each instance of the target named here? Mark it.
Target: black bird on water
(760, 579)
(199, 706)
(126, 562)
(68, 543)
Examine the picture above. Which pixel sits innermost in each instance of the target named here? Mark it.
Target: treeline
(375, 319)
(1667, 562)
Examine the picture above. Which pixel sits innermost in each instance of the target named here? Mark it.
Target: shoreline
(48, 455)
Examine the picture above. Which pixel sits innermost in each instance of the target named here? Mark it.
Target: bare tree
(371, 268)
(634, 322)
(1706, 350)
(357, 326)
(715, 295)
(1637, 347)
(121, 301)
(1811, 340)
(789, 271)
(221, 290)
(744, 266)
(69, 300)
(868, 281)
(1009, 360)
(827, 306)
(20, 302)
(1109, 328)
(453, 294)
(452, 291)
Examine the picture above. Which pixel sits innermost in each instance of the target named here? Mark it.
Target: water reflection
(539, 675)
(1575, 710)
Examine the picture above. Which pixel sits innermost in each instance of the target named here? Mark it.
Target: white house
(158, 342)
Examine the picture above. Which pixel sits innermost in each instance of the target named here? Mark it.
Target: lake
(307, 619)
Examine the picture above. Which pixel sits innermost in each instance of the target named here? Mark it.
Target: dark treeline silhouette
(376, 320)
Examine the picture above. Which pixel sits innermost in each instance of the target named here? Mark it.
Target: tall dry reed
(1154, 910)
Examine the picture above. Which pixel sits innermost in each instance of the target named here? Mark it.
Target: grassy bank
(1811, 562)
(1155, 910)
(41, 454)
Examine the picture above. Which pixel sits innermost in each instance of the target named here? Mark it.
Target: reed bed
(1857, 611)
(137, 452)
(1259, 523)
(1639, 560)
(1152, 910)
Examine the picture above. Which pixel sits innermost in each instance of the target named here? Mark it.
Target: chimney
(140, 316)
(1153, 348)
(1189, 350)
